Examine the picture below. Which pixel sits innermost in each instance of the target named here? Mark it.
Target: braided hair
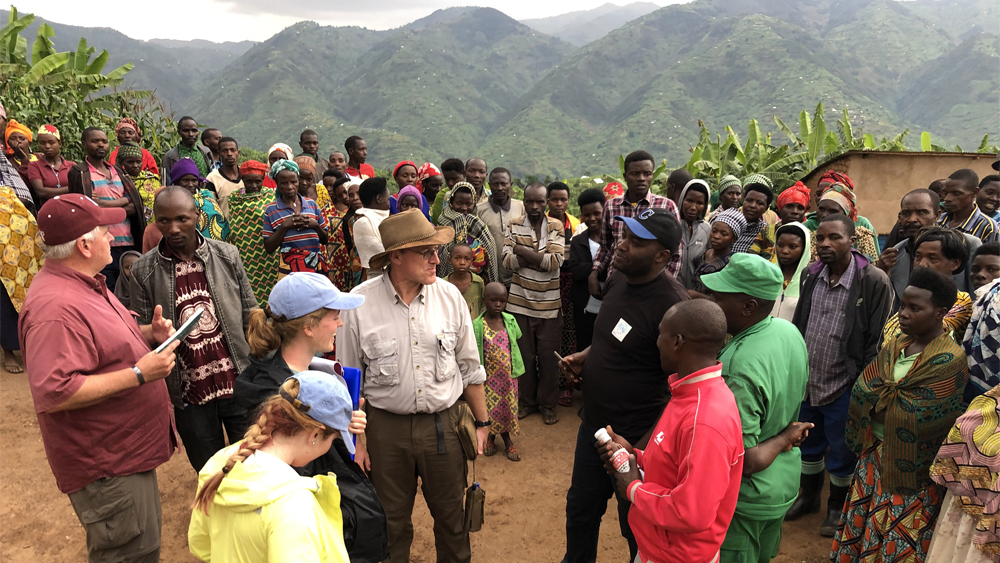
(277, 415)
(267, 331)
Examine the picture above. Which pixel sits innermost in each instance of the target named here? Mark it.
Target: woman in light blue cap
(251, 503)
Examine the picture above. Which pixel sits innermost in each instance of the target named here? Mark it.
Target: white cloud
(257, 20)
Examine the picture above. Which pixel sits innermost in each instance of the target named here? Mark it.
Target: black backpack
(365, 530)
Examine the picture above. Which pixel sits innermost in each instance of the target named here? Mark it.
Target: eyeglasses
(425, 254)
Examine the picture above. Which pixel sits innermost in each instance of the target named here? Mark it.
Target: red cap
(68, 217)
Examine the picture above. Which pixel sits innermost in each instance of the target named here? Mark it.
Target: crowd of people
(738, 347)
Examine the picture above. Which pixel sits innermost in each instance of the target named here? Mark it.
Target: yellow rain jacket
(265, 512)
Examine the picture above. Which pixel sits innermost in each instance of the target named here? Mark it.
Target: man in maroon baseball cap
(103, 409)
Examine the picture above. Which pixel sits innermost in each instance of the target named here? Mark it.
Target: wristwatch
(483, 424)
(138, 375)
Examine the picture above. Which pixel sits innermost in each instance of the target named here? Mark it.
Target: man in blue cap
(766, 367)
(623, 384)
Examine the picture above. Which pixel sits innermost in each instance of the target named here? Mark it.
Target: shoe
(549, 416)
(834, 509)
(808, 501)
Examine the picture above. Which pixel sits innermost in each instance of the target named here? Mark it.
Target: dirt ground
(525, 502)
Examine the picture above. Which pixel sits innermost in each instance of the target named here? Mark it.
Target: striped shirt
(977, 225)
(613, 231)
(110, 188)
(534, 292)
(302, 239)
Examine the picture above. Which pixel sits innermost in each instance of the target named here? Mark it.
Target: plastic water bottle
(620, 458)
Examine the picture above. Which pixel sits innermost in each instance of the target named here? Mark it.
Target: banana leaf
(792, 138)
(43, 46)
(925, 142)
(44, 67)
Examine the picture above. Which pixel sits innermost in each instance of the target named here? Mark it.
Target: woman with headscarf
(726, 230)
(405, 174)
(827, 180)
(902, 407)
(730, 190)
(307, 182)
(838, 198)
(128, 131)
(278, 151)
(294, 225)
(429, 181)
(694, 230)
(48, 176)
(793, 203)
(211, 222)
(9, 176)
(17, 138)
(469, 229)
(123, 285)
(147, 183)
(246, 215)
(20, 260)
(791, 248)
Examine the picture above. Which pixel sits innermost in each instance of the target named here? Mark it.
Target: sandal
(11, 365)
(512, 453)
(549, 417)
(566, 398)
(490, 448)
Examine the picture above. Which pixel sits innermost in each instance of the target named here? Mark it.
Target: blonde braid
(256, 436)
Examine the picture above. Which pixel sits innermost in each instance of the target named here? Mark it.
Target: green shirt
(899, 371)
(766, 367)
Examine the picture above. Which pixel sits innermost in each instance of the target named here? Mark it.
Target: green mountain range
(472, 81)
(582, 27)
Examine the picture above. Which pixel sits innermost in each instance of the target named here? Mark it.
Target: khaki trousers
(122, 518)
(404, 447)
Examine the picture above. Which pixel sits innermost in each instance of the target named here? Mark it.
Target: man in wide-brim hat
(414, 343)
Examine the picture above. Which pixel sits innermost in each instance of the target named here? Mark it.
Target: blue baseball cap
(300, 293)
(655, 224)
(323, 398)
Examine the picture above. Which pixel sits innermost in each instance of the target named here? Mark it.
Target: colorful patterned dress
(338, 255)
(146, 183)
(246, 213)
(501, 388)
(211, 222)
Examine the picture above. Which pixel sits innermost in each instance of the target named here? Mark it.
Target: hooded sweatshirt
(784, 305)
(265, 511)
(695, 240)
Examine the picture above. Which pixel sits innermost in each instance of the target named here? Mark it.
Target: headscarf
(253, 167)
(613, 189)
(122, 286)
(285, 149)
(280, 165)
(306, 162)
(408, 190)
(426, 170)
(729, 181)
(735, 219)
(405, 163)
(14, 127)
(464, 186)
(49, 130)
(129, 150)
(835, 178)
(758, 179)
(130, 123)
(844, 197)
(183, 167)
(798, 193)
(698, 186)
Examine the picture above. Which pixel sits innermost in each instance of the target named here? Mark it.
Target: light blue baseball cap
(323, 398)
(300, 293)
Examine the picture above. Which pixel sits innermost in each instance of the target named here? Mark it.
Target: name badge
(621, 330)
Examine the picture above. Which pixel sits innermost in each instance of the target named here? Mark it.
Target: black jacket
(366, 534)
(580, 264)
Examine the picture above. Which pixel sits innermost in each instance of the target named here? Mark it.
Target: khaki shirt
(414, 359)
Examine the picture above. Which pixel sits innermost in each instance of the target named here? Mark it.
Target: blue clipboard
(352, 376)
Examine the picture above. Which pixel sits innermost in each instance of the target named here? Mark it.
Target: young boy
(985, 266)
(461, 276)
(496, 335)
(685, 496)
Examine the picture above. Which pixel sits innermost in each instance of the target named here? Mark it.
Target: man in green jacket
(766, 367)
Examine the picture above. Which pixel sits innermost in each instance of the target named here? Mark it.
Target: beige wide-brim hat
(408, 229)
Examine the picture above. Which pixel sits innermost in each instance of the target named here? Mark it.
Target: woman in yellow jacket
(252, 507)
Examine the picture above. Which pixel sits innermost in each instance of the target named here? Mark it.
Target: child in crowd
(461, 276)
(409, 198)
(985, 266)
(726, 229)
(122, 285)
(496, 335)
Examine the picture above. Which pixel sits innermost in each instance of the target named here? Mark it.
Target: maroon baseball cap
(68, 217)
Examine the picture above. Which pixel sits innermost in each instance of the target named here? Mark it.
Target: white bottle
(620, 458)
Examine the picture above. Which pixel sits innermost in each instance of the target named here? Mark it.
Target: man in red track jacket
(684, 485)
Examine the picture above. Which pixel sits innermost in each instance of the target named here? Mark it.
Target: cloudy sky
(232, 20)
